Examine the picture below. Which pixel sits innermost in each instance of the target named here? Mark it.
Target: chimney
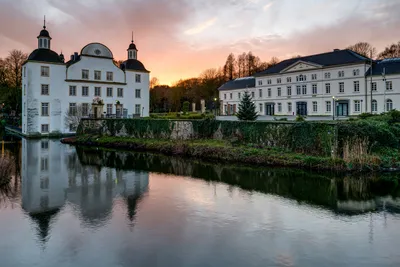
(72, 57)
(75, 56)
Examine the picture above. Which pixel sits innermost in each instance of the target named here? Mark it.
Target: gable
(300, 66)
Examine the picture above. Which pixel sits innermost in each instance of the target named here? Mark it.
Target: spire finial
(44, 22)
(132, 37)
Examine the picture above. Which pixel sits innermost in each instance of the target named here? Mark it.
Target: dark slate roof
(132, 46)
(45, 55)
(390, 66)
(336, 57)
(133, 64)
(240, 83)
(44, 33)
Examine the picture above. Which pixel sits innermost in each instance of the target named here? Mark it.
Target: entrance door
(269, 109)
(301, 108)
(342, 109)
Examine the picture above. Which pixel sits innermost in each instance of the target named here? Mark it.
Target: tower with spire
(132, 50)
(44, 37)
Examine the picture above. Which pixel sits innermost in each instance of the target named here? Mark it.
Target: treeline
(164, 98)
(11, 81)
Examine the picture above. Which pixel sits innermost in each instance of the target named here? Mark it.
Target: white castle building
(313, 85)
(52, 86)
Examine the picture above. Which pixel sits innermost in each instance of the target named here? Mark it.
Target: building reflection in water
(52, 176)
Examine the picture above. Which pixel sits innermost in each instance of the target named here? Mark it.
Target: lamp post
(215, 105)
(334, 107)
(384, 89)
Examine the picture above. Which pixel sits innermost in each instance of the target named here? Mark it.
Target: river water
(67, 206)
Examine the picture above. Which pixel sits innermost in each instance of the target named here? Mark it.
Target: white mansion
(52, 87)
(312, 85)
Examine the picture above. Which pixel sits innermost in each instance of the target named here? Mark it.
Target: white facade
(306, 88)
(51, 87)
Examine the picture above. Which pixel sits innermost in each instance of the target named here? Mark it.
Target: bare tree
(363, 48)
(14, 63)
(74, 115)
(230, 68)
(391, 51)
(274, 61)
(118, 62)
(154, 82)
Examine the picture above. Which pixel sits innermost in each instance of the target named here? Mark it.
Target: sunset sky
(181, 38)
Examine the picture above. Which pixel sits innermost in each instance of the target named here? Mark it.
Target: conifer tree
(247, 109)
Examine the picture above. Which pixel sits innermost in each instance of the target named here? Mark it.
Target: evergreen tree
(247, 109)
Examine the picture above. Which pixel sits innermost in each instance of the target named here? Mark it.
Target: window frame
(45, 131)
(138, 78)
(43, 72)
(95, 91)
(341, 87)
(41, 89)
(315, 106)
(74, 87)
(120, 92)
(110, 76)
(356, 86)
(87, 91)
(97, 75)
(45, 114)
(85, 74)
(109, 93)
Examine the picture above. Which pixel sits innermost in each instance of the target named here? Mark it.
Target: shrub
(299, 118)
(5, 170)
(185, 107)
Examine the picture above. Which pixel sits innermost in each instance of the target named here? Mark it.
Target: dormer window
(301, 78)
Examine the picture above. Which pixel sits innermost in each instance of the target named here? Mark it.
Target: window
(85, 74)
(356, 86)
(260, 93)
(261, 106)
(85, 109)
(97, 91)
(341, 87)
(315, 106)
(45, 109)
(110, 76)
(304, 89)
(109, 109)
(72, 90)
(45, 89)
(313, 77)
(24, 71)
(289, 90)
(85, 91)
(314, 89)
(239, 95)
(279, 80)
(328, 88)
(44, 163)
(109, 92)
(279, 107)
(137, 109)
(389, 105)
(301, 78)
(341, 74)
(327, 75)
(279, 91)
(44, 71)
(298, 89)
(374, 88)
(138, 78)
(289, 79)
(45, 128)
(120, 92)
(269, 92)
(230, 95)
(260, 82)
(97, 75)
(72, 109)
(224, 96)
(328, 106)
(389, 86)
(357, 105)
(24, 89)
(45, 145)
(269, 81)
(138, 93)
(356, 72)
(374, 106)
(252, 94)
(289, 107)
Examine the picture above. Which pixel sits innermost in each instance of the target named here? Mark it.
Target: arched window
(389, 105)
(40, 43)
(44, 43)
(374, 106)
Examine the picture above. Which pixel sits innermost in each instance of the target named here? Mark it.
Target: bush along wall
(303, 137)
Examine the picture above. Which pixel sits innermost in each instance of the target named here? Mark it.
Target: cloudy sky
(181, 38)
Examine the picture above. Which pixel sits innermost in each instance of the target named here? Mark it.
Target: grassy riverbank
(215, 150)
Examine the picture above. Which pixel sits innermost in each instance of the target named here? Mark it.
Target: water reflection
(341, 193)
(52, 176)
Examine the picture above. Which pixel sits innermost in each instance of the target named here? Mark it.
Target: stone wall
(313, 138)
